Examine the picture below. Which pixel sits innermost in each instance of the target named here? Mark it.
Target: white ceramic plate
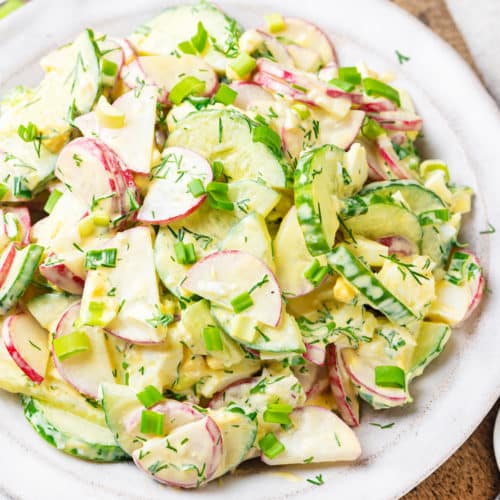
(461, 125)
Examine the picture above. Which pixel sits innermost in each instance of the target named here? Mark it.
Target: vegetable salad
(215, 243)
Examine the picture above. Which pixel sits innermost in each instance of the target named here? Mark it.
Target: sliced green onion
(268, 137)
(220, 203)
(3, 190)
(196, 188)
(302, 111)
(275, 23)
(350, 74)
(390, 376)
(96, 311)
(28, 133)
(277, 413)
(187, 48)
(280, 407)
(243, 65)
(212, 338)
(371, 129)
(217, 187)
(109, 68)
(429, 166)
(312, 269)
(242, 302)
(225, 95)
(19, 189)
(271, 446)
(380, 89)
(198, 102)
(71, 344)
(100, 258)
(189, 85)
(152, 422)
(199, 40)
(342, 84)
(185, 253)
(52, 200)
(217, 169)
(149, 396)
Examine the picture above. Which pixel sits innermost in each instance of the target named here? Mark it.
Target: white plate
(461, 125)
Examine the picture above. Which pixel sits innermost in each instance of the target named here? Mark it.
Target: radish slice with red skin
(316, 433)
(248, 94)
(87, 370)
(362, 374)
(93, 171)
(61, 275)
(128, 50)
(312, 377)
(315, 353)
(376, 172)
(195, 460)
(176, 414)
(209, 279)
(7, 258)
(134, 75)
(166, 71)
(23, 219)
(27, 344)
(168, 197)
(308, 35)
(233, 392)
(329, 72)
(390, 158)
(342, 388)
(376, 104)
(398, 245)
(398, 120)
(277, 86)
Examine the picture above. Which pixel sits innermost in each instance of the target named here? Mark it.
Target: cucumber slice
(72, 434)
(252, 196)
(48, 308)
(292, 257)
(369, 286)
(238, 436)
(19, 277)
(419, 198)
(229, 136)
(174, 25)
(250, 235)
(438, 241)
(316, 184)
(431, 340)
(286, 337)
(386, 219)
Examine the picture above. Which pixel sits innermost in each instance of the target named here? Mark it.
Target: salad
(215, 243)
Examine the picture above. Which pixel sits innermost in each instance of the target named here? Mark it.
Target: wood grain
(471, 473)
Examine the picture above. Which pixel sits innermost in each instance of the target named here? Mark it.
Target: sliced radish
(476, 285)
(27, 343)
(187, 458)
(177, 414)
(166, 71)
(315, 353)
(20, 217)
(312, 377)
(304, 58)
(169, 197)
(87, 370)
(133, 75)
(342, 388)
(275, 85)
(210, 279)
(398, 120)
(376, 104)
(318, 433)
(362, 373)
(249, 93)
(308, 35)
(128, 50)
(61, 275)
(329, 72)
(6, 260)
(92, 171)
(233, 392)
(390, 158)
(278, 51)
(376, 170)
(133, 142)
(398, 245)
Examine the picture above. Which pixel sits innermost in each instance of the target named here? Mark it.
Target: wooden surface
(471, 473)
